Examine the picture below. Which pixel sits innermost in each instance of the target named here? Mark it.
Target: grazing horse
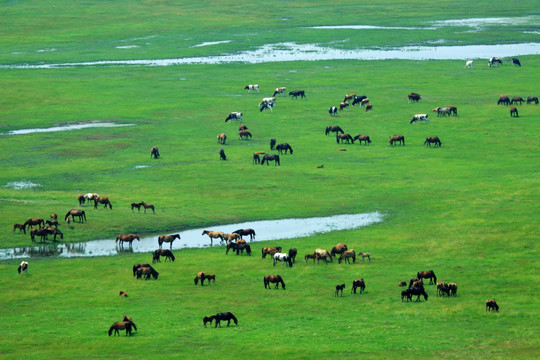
(214, 235)
(208, 319)
(469, 64)
(201, 276)
(397, 139)
(136, 205)
(515, 62)
(127, 238)
(244, 134)
(279, 90)
(419, 117)
(256, 158)
(270, 251)
(52, 223)
(369, 107)
(284, 258)
(514, 112)
(432, 140)
(121, 325)
(267, 105)
(358, 283)
(222, 155)
(348, 255)
(292, 254)
(349, 97)
(333, 128)
(442, 111)
(271, 157)
(296, 93)
(452, 287)
(147, 271)
(245, 232)
(358, 99)
(364, 256)
(167, 238)
(442, 288)
(340, 288)
(34, 221)
(364, 138)
(427, 275)
(284, 147)
(492, 305)
(323, 254)
(503, 99)
(53, 231)
(343, 105)
(310, 256)
(81, 199)
(332, 110)
(340, 248)
(221, 138)
(272, 143)
(273, 279)
(250, 88)
(494, 61)
(23, 267)
(225, 316)
(138, 266)
(532, 99)
(234, 116)
(76, 213)
(417, 290)
(102, 200)
(161, 252)
(344, 137)
(230, 237)
(147, 206)
(414, 97)
(21, 227)
(242, 127)
(42, 232)
(517, 99)
(154, 152)
(406, 294)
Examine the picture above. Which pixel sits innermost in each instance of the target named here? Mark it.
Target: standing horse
(147, 206)
(167, 238)
(160, 252)
(81, 199)
(492, 305)
(221, 138)
(270, 251)
(427, 275)
(222, 155)
(121, 325)
(127, 238)
(397, 139)
(332, 110)
(344, 137)
(276, 279)
(214, 235)
(432, 140)
(208, 319)
(272, 143)
(245, 232)
(147, 271)
(348, 255)
(34, 221)
(136, 205)
(363, 138)
(76, 213)
(154, 152)
(284, 258)
(225, 316)
(514, 112)
(292, 254)
(23, 267)
(359, 283)
(270, 157)
(102, 200)
(284, 147)
(340, 248)
(340, 288)
(333, 128)
(21, 227)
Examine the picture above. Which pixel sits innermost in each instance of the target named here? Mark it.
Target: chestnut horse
(102, 200)
(21, 227)
(199, 277)
(147, 206)
(76, 213)
(427, 275)
(127, 238)
(147, 271)
(160, 252)
(168, 238)
(273, 279)
(338, 249)
(270, 251)
(397, 139)
(34, 221)
(138, 266)
(333, 128)
(358, 283)
(136, 205)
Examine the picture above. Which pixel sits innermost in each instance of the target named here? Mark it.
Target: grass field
(467, 210)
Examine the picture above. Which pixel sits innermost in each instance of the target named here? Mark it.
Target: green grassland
(467, 210)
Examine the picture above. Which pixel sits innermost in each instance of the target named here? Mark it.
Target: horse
(54, 231)
(358, 99)
(442, 288)
(210, 277)
(270, 157)
(324, 253)
(222, 155)
(515, 62)
(503, 99)
(267, 105)
(452, 287)
(517, 99)
(245, 232)
(23, 267)
(272, 143)
(81, 199)
(358, 283)
(147, 206)
(234, 116)
(442, 111)
(213, 235)
(323, 257)
(338, 249)
(364, 102)
(492, 305)
(365, 255)
(364, 138)
(532, 99)
(256, 159)
(296, 93)
(333, 128)
(407, 295)
(244, 134)
(343, 105)
(42, 232)
(433, 140)
(76, 213)
(469, 64)
(127, 318)
(138, 266)
(494, 61)
(90, 196)
(123, 294)
(52, 223)
(167, 238)
(332, 110)
(242, 127)
(147, 271)
(199, 277)
(121, 325)
(250, 88)
(292, 254)
(340, 288)
(419, 117)
(402, 283)
(417, 290)
(284, 147)
(310, 256)
(225, 316)
(369, 107)
(349, 97)
(221, 138)
(154, 152)
(271, 101)
(208, 319)
(102, 200)
(414, 97)
(160, 252)
(273, 279)
(127, 238)
(514, 112)
(136, 205)
(397, 139)
(21, 227)
(344, 137)
(230, 237)
(427, 275)
(279, 90)
(283, 258)
(348, 255)
(34, 221)
(270, 251)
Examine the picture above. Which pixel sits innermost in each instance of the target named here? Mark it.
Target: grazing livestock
(414, 97)
(310, 256)
(21, 227)
(136, 205)
(270, 251)
(225, 316)
(333, 128)
(363, 138)
(344, 137)
(453, 110)
(364, 102)
(148, 206)
(358, 283)
(222, 155)
(432, 140)
(127, 238)
(76, 213)
(503, 99)
(332, 110)
(245, 232)
(284, 147)
(417, 290)
(251, 88)
(147, 271)
(492, 305)
(340, 288)
(276, 279)
(323, 254)
(419, 117)
(292, 254)
(234, 116)
(514, 112)
(469, 64)
(267, 105)
(348, 255)
(90, 196)
(123, 294)
(268, 100)
(452, 287)
(532, 99)
(517, 99)
(343, 105)
(369, 107)
(34, 221)
(406, 295)
(102, 200)
(154, 152)
(271, 157)
(54, 216)
(256, 158)
(242, 127)
(358, 99)
(402, 283)
(442, 111)
(279, 90)
(340, 248)
(138, 266)
(397, 139)
(364, 256)
(442, 288)
(244, 134)
(214, 235)
(41, 232)
(162, 252)
(272, 143)
(349, 97)
(221, 138)
(239, 246)
(427, 275)
(53, 231)
(81, 199)
(23, 267)
(515, 62)
(208, 319)
(284, 258)
(201, 276)
(230, 237)
(296, 93)
(494, 61)
(121, 325)
(210, 278)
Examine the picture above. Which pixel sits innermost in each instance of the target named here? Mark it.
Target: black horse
(270, 157)
(272, 143)
(154, 153)
(225, 316)
(222, 155)
(333, 128)
(284, 147)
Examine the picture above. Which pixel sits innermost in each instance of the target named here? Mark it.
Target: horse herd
(505, 100)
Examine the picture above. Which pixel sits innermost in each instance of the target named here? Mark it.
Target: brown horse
(127, 238)
(76, 213)
(34, 221)
(363, 138)
(270, 251)
(358, 283)
(452, 288)
(339, 288)
(414, 97)
(344, 137)
(271, 157)
(42, 232)
(338, 249)
(273, 279)
(147, 206)
(54, 216)
(123, 294)
(53, 231)
(210, 277)
(492, 305)
(230, 237)
(199, 277)
(138, 266)
(147, 271)
(324, 253)
(102, 200)
(427, 275)
(213, 235)
(333, 128)
(167, 238)
(154, 152)
(245, 232)
(52, 223)
(310, 256)
(432, 140)
(244, 134)
(21, 227)
(161, 252)
(121, 325)
(514, 112)
(81, 199)
(136, 205)
(348, 255)
(397, 139)
(221, 138)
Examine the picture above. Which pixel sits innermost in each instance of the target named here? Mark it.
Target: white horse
(420, 117)
(249, 88)
(23, 267)
(91, 196)
(469, 64)
(285, 258)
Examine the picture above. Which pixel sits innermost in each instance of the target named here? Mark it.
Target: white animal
(469, 64)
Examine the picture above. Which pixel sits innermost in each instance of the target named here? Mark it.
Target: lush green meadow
(467, 210)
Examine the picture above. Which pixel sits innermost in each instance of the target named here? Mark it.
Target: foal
(340, 288)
